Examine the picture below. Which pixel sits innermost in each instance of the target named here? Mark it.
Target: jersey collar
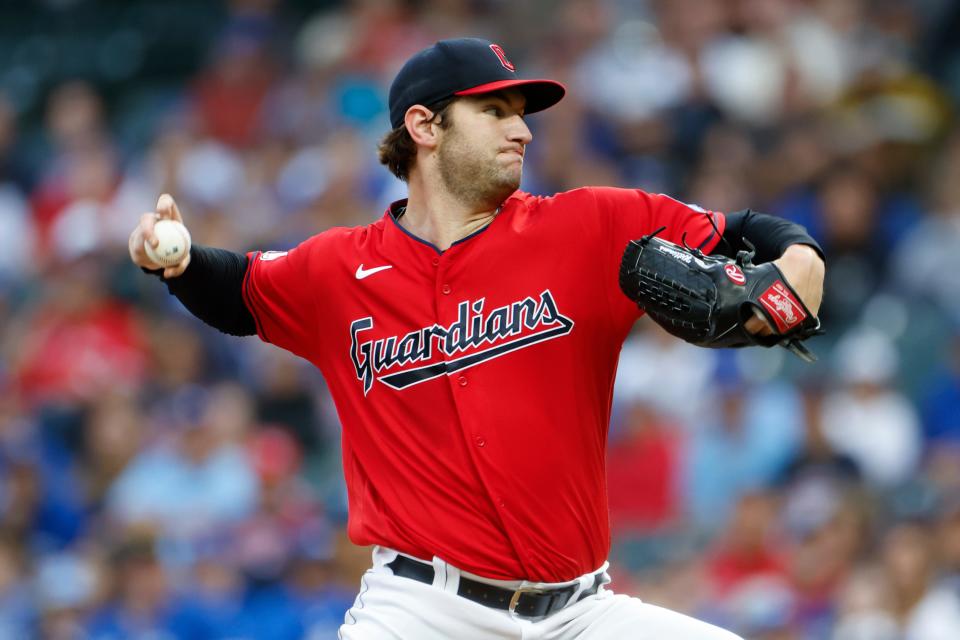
(396, 210)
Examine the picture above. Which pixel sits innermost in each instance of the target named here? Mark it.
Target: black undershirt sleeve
(212, 289)
(770, 236)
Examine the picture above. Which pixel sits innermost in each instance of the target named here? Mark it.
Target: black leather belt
(527, 602)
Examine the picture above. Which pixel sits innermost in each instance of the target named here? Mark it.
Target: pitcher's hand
(804, 270)
(166, 210)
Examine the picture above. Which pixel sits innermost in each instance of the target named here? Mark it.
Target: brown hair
(397, 150)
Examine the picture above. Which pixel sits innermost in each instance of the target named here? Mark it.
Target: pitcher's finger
(177, 269)
(758, 325)
(167, 208)
(147, 221)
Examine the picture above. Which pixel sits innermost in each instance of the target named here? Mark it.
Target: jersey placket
(449, 297)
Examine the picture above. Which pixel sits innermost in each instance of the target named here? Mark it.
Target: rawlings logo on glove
(707, 300)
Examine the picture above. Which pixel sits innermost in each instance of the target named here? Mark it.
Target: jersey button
(480, 441)
(446, 289)
(462, 381)
(436, 262)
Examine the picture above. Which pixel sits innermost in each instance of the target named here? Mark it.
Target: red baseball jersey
(474, 384)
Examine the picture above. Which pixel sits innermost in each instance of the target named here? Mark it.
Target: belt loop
(382, 556)
(584, 582)
(453, 578)
(439, 573)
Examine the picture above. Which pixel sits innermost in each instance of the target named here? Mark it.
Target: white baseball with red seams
(173, 246)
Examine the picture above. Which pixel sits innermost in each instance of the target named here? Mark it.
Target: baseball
(174, 243)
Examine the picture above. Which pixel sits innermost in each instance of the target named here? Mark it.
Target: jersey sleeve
(631, 213)
(628, 214)
(281, 289)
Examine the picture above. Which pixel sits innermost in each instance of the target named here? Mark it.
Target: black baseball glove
(707, 300)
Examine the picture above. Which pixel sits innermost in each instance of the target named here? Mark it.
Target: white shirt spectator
(937, 615)
(681, 391)
(16, 259)
(868, 419)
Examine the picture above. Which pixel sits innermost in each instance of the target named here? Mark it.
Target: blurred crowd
(161, 480)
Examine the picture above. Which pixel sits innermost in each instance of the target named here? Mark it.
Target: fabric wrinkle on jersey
(474, 384)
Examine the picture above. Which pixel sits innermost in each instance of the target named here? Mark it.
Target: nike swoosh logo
(363, 273)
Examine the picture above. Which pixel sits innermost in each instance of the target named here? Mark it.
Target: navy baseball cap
(464, 67)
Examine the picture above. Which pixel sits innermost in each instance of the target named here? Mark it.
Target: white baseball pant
(391, 607)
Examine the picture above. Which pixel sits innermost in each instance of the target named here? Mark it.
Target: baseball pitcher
(470, 340)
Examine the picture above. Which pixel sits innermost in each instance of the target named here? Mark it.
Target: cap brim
(540, 94)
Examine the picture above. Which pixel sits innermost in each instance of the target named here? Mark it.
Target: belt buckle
(515, 598)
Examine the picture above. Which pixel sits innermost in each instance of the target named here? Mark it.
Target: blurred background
(160, 480)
